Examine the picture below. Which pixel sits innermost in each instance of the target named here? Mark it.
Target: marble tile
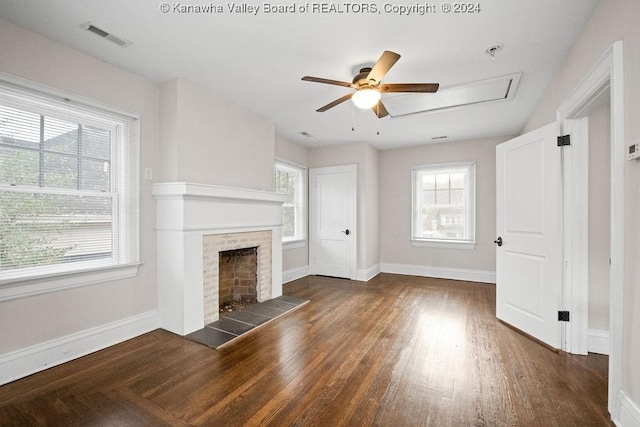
(248, 317)
(231, 326)
(291, 300)
(211, 337)
(234, 324)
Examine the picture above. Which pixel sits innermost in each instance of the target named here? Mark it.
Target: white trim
(575, 229)
(629, 411)
(191, 190)
(56, 282)
(294, 244)
(470, 203)
(598, 341)
(290, 163)
(36, 358)
(364, 275)
(301, 196)
(198, 229)
(52, 92)
(295, 274)
(608, 72)
(442, 244)
(440, 272)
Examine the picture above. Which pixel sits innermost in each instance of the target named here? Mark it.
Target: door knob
(498, 241)
(346, 232)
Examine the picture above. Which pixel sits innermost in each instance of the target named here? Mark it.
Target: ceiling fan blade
(382, 67)
(334, 103)
(326, 81)
(380, 110)
(409, 87)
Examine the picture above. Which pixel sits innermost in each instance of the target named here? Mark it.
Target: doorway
(604, 81)
(332, 221)
(599, 212)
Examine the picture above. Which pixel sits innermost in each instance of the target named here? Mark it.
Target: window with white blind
(289, 180)
(444, 205)
(69, 186)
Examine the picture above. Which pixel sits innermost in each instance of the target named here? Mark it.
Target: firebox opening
(238, 278)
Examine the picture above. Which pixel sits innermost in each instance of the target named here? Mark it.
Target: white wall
(612, 21)
(45, 318)
(366, 158)
(371, 206)
(209, 140)
(599, 217)
(395, 206)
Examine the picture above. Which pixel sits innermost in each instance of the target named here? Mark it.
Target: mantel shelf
(194, 190)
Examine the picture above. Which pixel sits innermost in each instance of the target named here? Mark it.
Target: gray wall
(209, 140)
(38, 319)
(395, 205)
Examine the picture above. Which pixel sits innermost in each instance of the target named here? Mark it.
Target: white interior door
(529, 259)
(332, 210)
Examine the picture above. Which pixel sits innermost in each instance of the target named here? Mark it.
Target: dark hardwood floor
(396, 351)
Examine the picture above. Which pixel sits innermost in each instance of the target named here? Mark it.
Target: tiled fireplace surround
(194, 223)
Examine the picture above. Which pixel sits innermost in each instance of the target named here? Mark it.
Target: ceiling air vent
(105, 35)
(490, 90)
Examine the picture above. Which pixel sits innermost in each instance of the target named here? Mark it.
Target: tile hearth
(233, 325)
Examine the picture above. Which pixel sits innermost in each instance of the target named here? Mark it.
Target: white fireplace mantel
(185, 213)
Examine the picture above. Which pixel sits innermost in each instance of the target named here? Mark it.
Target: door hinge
(563, 316)
(564, 140)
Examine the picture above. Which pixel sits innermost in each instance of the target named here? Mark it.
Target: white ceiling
(257, 61)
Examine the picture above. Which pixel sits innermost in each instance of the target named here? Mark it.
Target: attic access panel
(490, 90)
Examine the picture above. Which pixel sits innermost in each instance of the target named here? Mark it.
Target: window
(289, 180)
(69, 191)
(444, 205)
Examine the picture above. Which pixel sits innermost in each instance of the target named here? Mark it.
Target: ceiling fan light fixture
(366, 98)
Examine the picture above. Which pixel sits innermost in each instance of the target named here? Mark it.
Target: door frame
(607, 77)
(352, 169)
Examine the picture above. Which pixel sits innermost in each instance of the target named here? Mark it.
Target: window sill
(442, 244)
(26, 287)
(293, 244)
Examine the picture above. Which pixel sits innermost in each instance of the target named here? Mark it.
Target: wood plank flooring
(396, 351)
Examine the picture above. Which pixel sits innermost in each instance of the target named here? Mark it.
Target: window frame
(469, 241)
(300, 237)
(124, 190)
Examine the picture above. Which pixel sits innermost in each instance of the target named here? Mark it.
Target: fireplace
(215, 247)
(195, 222)
(237, 278)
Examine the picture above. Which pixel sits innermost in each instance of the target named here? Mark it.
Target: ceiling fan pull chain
(353, 118)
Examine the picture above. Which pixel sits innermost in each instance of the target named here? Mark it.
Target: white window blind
(444, 203)
(69, 185)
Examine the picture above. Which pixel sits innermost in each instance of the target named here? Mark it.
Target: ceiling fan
(368, 86)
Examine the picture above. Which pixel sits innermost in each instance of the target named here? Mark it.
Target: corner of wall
(168, 147)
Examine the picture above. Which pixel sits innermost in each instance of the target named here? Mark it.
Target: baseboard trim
(629, 411)
(21, 363)
(598, 341)
(440, 272)
(367, 274)
(295, 274)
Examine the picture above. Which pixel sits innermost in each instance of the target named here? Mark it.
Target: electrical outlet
(148, 173)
